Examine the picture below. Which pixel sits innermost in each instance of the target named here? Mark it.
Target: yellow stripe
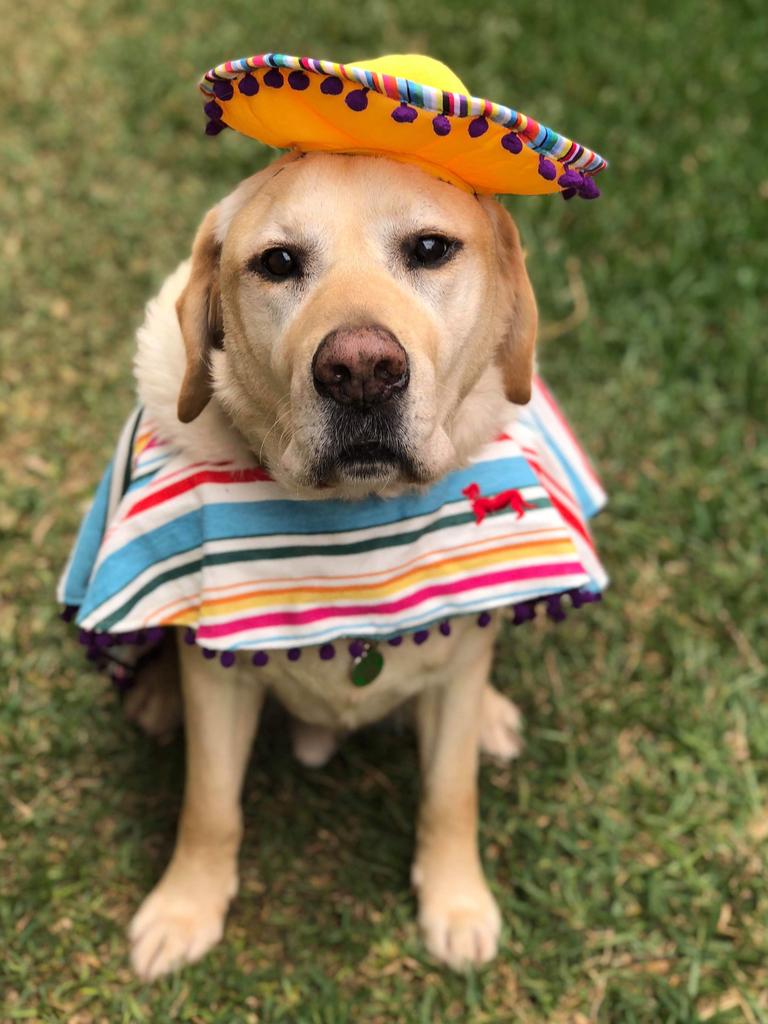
(141, 443)
(329, 595)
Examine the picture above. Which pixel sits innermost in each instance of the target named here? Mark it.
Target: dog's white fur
(159, 367)
(455, 710)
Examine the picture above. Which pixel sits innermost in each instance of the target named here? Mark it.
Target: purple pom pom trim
(298, 80)
(248, 85)
(99, 643)
(511, 143)
(589, 189)
(571, 179)
(404, 114)
(523, 612)
(222, 89)
(581, 597)
(357, 99)
(214, 127)
(547, 169)
(273, 79)
(331, 86)
(477, 127)
(441, 125)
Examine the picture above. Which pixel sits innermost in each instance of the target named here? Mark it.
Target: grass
(628, 846)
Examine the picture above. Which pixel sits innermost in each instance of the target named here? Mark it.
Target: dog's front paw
(501, 726)
(175, 926)
(461, 929)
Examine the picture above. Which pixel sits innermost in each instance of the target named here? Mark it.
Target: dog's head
(361, 322)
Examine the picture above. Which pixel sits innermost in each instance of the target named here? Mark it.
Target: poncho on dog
(222, 550)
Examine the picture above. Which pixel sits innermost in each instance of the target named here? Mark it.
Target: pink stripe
(572, 519)
(153, 442)
(552, 486)
(389, 608)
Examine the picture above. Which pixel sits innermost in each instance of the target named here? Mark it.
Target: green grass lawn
(628, 846)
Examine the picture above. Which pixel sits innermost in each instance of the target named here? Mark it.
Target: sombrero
(407, 107)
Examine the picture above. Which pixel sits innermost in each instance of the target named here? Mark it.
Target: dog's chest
(322, 692)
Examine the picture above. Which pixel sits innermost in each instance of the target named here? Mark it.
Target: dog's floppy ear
(199, 311)
(517, 311)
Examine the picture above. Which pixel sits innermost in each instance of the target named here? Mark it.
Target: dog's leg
(154, 701)
(457, 913)
(184, 914)
(501, 726)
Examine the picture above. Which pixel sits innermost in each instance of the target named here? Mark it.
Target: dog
(361, 327)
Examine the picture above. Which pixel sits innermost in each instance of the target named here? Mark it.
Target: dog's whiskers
(279, 415)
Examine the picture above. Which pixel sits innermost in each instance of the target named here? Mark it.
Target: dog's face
(356, 318)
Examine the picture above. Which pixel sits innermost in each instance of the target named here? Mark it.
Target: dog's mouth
(366, 461)
(368, 458)
(370, 461)
(356, 448)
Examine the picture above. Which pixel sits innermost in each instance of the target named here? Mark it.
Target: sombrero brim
(481, 146)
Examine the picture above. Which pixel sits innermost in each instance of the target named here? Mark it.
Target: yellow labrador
(362, 327)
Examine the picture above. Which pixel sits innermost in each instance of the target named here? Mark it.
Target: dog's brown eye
(279, 263)
(429, 250)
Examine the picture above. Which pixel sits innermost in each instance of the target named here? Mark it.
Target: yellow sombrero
(407, 107)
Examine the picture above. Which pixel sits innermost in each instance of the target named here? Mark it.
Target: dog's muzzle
(362, 374)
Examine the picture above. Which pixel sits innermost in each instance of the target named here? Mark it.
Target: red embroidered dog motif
(495, 502)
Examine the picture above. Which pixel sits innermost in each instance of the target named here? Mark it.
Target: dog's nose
(361, 366)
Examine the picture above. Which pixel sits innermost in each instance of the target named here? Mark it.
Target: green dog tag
(367, 667)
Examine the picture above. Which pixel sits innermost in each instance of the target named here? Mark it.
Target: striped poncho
(223, 550)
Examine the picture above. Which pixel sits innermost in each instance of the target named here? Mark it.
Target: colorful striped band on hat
(323, 105)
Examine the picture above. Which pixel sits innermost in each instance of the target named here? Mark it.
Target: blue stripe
(86, 549)
(146, 472)
(589, 506)
(233, 520)
(140, 482)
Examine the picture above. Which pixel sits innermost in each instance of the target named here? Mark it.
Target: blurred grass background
(627, 847)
